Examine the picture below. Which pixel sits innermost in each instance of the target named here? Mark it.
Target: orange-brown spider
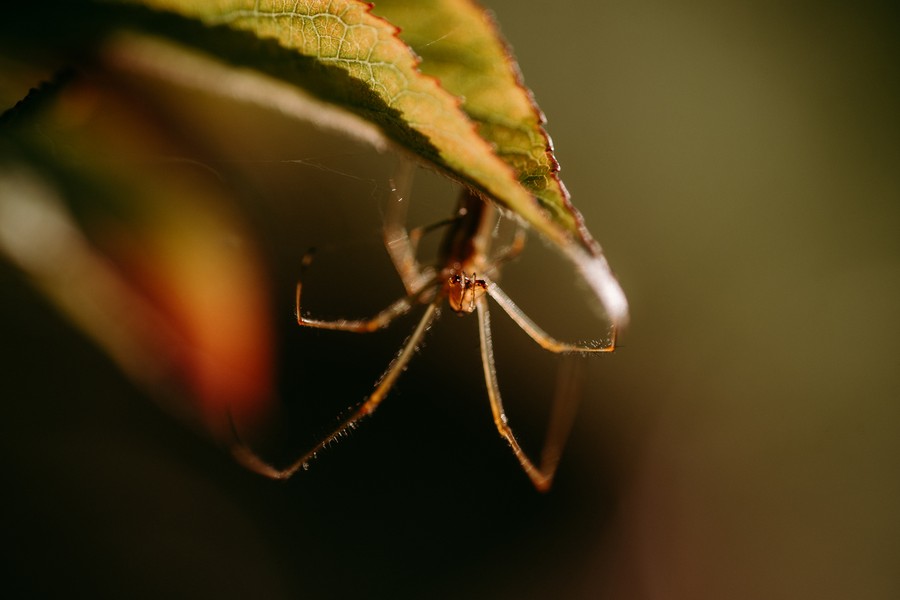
(462, 276)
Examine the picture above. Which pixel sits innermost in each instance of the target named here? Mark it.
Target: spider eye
(456, 279)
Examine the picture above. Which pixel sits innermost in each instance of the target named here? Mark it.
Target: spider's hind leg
(562, 417)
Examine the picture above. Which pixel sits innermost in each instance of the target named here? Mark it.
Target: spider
(462, 277)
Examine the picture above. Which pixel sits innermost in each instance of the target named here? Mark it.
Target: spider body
(461, 276)
(463, 252)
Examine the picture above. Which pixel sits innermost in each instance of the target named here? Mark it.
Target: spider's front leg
(382, 319)
(545, 340)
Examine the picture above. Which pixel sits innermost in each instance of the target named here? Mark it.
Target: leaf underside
(344, 54)
(445, 88)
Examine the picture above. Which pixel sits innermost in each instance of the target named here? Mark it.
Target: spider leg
(418, 233)
(252, 461)
(382, 319)
(536, 333)
(396, 238)
(402, 243)
(560, 423)
(566, 399)
(514, 248)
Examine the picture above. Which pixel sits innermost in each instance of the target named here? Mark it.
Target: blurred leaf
(140, 252)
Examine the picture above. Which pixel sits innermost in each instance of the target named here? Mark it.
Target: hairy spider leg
(382, 319)
(540, 336)
(562, 415)
(252, 461)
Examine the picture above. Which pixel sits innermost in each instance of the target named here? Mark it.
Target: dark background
(739, 163)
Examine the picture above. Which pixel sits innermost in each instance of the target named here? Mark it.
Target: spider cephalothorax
(463, 291)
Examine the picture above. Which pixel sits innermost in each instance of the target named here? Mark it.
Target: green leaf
(463, 110)
(461, 47)
(466, 58)
(411, 108)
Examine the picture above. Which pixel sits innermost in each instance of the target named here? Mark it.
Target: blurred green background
(739, 164)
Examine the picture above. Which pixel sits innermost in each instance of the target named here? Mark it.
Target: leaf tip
(600, 278)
